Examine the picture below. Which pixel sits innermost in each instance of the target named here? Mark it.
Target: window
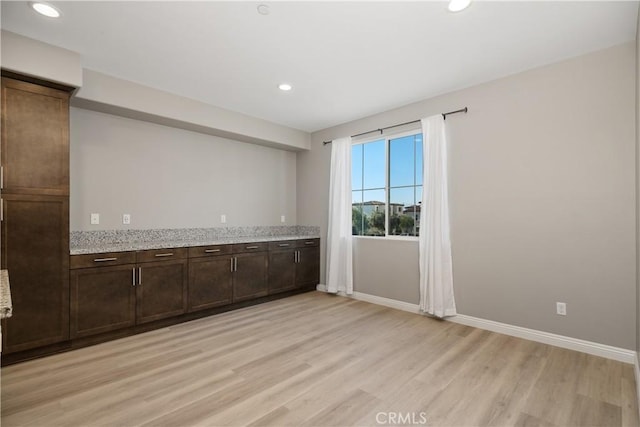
(386, 185)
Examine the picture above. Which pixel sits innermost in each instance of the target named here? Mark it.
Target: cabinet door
(162, 290)
(35, 138)
(35, 250)
(308, 267)
(250, 276)
(102, 299)
(282, 270)
(210, 282)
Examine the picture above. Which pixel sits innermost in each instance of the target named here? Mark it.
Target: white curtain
(339, 255)
(436, 271)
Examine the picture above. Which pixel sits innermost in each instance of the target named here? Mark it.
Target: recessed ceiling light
(458, 5)
(45, 9)
(263, 9)
(284, 86)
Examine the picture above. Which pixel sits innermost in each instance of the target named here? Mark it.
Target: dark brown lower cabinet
(35, 250)
(282, 266)
(294, 264)
(250, 275)
(119, 290)
(161, 291)
(102, 299)
(308, 267)
(210, 282)
(111, 291)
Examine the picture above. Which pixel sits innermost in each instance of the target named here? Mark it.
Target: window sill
(383, 238)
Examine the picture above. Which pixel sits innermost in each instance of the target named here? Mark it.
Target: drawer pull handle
(252, 247)
(283, 245)
(309, 243)
(209, 251)
(104, 259)
(162, 255)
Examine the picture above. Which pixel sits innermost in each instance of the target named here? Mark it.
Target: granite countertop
(139, 246)
(6, 308)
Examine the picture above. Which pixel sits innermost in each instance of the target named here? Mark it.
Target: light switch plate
(95, 218)
(283, 219)
(126, 219)
(223, 218)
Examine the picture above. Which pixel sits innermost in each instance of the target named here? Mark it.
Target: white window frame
(387, 136)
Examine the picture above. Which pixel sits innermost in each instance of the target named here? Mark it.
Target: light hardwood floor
(319, 360)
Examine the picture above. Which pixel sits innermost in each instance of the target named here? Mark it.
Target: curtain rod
(444, 116)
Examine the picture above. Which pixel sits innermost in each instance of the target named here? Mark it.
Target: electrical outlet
(95, 218)
(561, 308)
(126, 219)
(283, 219)
(223, 219)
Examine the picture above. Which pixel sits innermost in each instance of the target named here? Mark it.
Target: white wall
(542, 194)
(172, 178)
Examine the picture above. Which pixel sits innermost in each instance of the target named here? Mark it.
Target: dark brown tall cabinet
(35, 212)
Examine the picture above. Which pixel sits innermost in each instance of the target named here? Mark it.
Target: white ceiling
(345, 60)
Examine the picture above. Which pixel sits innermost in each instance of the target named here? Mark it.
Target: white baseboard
(589, 347)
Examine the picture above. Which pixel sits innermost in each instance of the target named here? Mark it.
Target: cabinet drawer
(250, 247)
(283, 244)
(102, 259)
(306, 243)
(202, 251)
(162, 254)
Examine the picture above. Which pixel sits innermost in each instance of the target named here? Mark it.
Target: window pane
(376, 195)
(419, 159)
(402, 208)
(374, 164)
(356, 167)
(373, 209)
(418, 209)
(357, 219)
(402, 161)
